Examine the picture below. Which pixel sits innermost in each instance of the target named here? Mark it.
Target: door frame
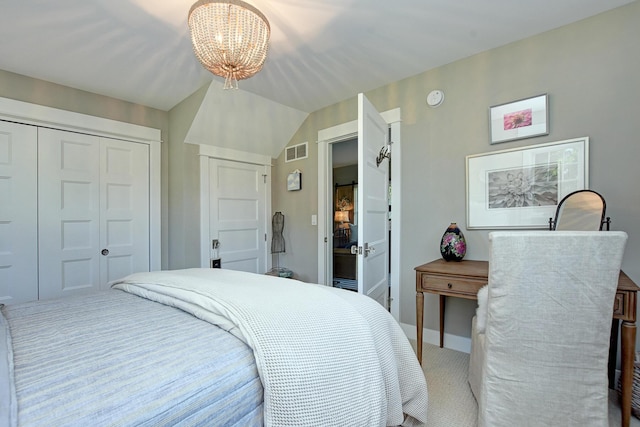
(206, 152)
(340, 133)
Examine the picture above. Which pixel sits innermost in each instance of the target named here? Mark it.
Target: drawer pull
(449, 285)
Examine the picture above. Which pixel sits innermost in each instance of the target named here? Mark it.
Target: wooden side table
(463, 280)
(454, 279)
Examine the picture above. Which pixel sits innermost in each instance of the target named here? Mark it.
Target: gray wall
(184, 185)
(589, 69)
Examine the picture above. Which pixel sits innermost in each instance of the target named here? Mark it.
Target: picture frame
(520, 188)
(294, 181)
(345, 200)
(524, 118)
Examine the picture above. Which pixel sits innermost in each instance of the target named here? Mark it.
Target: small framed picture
(525, 118)
(294, 181)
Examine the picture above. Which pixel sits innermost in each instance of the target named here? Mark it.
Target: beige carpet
(451, 403)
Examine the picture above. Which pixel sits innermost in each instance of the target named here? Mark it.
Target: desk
(463, 280)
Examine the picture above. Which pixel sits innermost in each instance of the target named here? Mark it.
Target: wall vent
(296, 152)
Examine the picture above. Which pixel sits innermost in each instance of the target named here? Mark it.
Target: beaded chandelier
(230, 38)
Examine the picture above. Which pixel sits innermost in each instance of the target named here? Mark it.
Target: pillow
(481, 311)
(353, 237)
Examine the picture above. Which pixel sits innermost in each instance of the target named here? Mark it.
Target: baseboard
(430, 336)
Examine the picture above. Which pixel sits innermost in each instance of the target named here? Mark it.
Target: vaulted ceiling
(321, 52)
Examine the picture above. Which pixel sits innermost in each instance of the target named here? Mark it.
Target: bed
(208, 347)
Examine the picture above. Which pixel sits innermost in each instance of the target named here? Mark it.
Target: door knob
(368, 250)
(105, 252)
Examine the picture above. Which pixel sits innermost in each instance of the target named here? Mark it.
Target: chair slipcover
(542, 359)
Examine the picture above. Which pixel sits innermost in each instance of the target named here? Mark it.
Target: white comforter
(326, 357)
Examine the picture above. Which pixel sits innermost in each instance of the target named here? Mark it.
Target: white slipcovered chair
(540, 337)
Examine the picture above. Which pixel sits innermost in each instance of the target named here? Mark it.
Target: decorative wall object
(344, 197)
(453, 245)
(294, 181)
(521, 188)
(525, 118)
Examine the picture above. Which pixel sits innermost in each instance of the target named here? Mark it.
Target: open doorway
(327, 138)
(344, 167)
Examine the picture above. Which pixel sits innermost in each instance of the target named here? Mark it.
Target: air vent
(296, 152)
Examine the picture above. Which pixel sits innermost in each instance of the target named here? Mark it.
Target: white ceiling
(322, 51)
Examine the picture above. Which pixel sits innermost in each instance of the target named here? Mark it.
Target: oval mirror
(581, 211)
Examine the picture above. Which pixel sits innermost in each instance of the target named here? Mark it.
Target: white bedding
(325, 356)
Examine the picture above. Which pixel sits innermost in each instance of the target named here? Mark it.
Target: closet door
(18, 213)
(124, 209)
(93, 211)
(69, 213)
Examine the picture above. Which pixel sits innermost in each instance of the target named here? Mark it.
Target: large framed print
(520, 119)
(521, 188)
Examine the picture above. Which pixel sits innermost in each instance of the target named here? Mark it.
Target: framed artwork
(344, 197)
(525, 118)
(294, 181)
(345, 200)
(521, 188)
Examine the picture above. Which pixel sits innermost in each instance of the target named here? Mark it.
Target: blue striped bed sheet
(115, 359)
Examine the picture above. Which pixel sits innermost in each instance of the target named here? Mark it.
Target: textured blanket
(113, 359)
(325, 356)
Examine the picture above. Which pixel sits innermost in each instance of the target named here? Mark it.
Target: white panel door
(237, 214)
(18, 213)
(124, 209)
(373, 204)
(93, 225)
(69, 213)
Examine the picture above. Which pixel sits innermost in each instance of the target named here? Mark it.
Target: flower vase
(453, 245)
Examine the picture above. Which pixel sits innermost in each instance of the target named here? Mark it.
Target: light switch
(314, 219)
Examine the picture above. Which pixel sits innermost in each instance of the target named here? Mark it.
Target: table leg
(419, 320)
(628, 345)
(613, 352)
(442, 300)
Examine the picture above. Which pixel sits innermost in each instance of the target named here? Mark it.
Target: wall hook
(385, 153)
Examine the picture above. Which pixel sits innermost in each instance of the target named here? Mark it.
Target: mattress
(115, 359)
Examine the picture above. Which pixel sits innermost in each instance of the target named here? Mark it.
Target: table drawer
(451, 285)
(623, 306)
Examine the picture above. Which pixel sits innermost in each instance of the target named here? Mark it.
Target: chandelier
(230, 38)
